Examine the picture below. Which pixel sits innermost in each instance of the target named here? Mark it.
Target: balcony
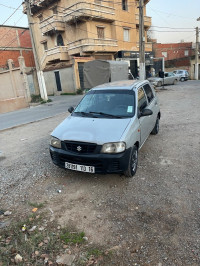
(57, 53)
(148, 46)
(147, 20)
(83, 10)
(37, 5)
(92, 45)
(52, 24)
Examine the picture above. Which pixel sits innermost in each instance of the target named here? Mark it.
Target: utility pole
(40, 76)
(141, 41)
(197, 53)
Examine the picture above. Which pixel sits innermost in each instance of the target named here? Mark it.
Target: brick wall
(17, 41)
(173, 50)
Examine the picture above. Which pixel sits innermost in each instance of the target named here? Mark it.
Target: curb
(8, 128)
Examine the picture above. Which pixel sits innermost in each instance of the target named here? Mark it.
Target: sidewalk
(59, 104)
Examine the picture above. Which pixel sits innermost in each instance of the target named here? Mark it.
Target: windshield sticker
(130, 109)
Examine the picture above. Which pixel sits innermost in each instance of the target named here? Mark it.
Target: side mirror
(70, 109)
(145, 112)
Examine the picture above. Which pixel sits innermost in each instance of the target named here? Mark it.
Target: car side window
(148, 92)
(142, 100)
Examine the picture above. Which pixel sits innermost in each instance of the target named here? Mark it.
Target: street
(59, 104)
(151, 219)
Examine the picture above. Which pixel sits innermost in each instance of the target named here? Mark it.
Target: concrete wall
(66, 78)
(14, 90)
(10, 105)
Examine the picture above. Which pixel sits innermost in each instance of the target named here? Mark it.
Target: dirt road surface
(151, 219)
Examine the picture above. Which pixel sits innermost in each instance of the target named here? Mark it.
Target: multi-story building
(71, 32)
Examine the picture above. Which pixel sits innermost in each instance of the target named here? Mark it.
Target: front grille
(80, 147)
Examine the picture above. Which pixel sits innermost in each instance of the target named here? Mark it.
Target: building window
(186, 52)
(164, 54)
(124, 5)
(55, 10)
(45, 46)
(60, 41)
(100, 32)
(126, 35)
(40, 17)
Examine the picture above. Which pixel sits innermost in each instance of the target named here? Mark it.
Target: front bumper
(103, 163)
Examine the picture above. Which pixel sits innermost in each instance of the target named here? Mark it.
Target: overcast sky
(181, 14)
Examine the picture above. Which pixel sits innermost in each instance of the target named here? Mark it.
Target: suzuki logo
(79, 148)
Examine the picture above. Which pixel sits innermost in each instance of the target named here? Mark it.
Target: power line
(9, 7)
(11, 28)
(7, 45)
(11, 15)
(175, 15)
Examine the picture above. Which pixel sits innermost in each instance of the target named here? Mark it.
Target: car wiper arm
(109, 115)
(83, 113)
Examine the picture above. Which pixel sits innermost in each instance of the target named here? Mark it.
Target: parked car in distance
(105, 131)
(182, 74)
(169, 79)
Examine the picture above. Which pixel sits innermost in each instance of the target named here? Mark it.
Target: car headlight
(55, 142)
(115, 147)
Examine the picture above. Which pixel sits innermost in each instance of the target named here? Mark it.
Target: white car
(169, 79)
(183, 75)
(105, 131)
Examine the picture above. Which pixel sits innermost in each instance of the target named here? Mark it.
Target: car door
(144, 121)
(171, 78)
(152, 105)
(166, 79)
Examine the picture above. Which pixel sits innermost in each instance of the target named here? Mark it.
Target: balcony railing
(57, 53)
(83, 10)
(147, 20)
(92, 45)
(53, 23)
(148, 46)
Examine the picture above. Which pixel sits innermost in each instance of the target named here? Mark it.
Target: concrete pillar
(14, 88)
(24, 77)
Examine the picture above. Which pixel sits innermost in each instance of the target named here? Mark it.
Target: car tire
(133, 162)
(156, 127)
(159, 84)
(182, 79)
(175, 82)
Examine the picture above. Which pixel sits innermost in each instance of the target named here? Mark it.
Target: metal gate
(157, 65)
(81, 76)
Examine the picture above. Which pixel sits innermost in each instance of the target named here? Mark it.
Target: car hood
(93, 130)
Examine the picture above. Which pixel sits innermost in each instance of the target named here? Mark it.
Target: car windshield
(107, 104)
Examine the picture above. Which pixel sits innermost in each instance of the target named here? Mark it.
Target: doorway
(58, 82)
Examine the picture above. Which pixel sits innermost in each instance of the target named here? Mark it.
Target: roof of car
(118, 85)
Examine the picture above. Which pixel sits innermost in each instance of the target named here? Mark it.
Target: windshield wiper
(85, 114)
(109, 115)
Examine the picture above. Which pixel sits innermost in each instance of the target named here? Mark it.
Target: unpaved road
(153, 218)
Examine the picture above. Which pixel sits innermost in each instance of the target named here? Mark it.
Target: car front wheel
(133, 162)
(175, 81)
(182, 79)
(159, 84)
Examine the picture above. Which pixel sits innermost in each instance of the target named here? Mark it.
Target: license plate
(80, 168)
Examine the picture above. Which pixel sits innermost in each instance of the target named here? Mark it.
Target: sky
(172, 20)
